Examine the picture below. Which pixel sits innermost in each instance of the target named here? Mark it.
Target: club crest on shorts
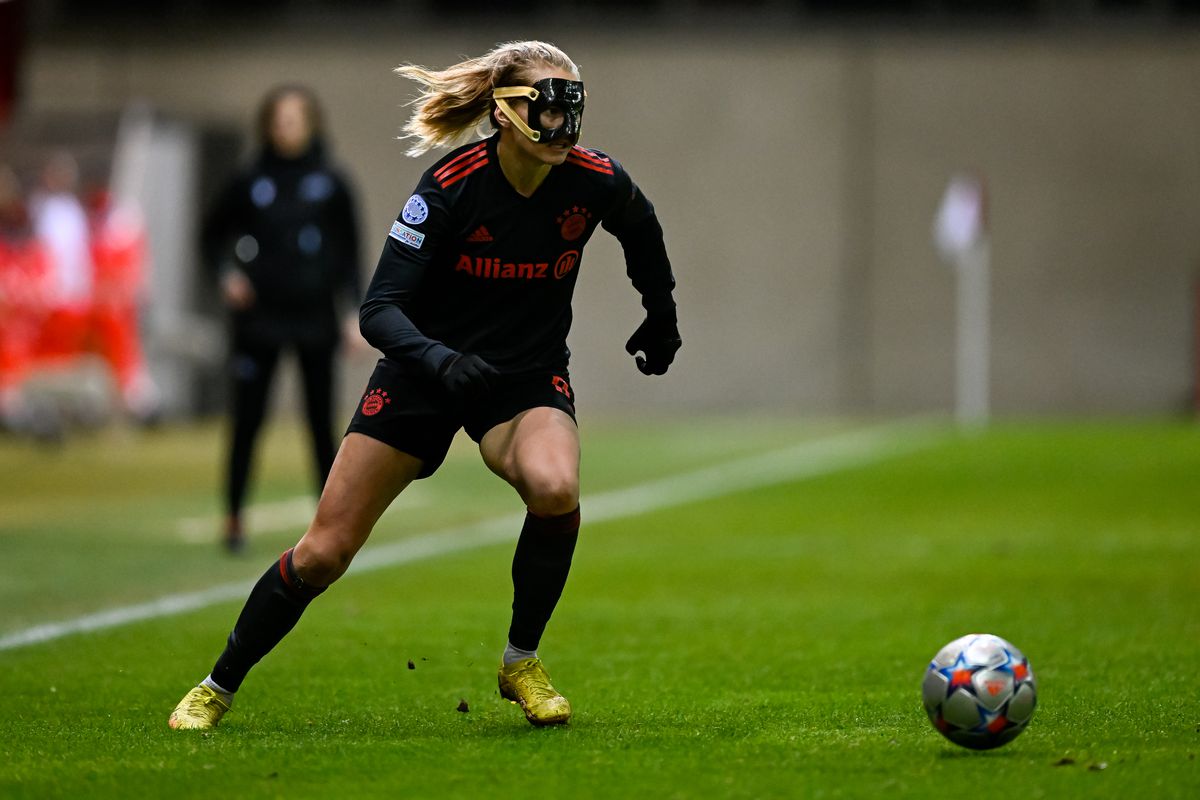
(374, 401)
(415, 211)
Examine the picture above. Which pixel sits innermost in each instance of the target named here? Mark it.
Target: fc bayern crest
(374, 401)
(415, 210)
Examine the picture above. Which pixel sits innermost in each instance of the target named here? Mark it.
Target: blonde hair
(456, 101)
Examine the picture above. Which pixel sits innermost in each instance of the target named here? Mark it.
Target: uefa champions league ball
(979, 691)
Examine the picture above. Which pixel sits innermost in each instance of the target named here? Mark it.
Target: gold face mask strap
(528, 92)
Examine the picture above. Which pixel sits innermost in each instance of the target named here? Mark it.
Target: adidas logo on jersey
(481, 235)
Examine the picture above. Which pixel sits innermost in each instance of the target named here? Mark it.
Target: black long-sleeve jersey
(290, 225)
(473, 266)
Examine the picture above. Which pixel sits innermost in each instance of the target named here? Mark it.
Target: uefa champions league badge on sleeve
(415, 211)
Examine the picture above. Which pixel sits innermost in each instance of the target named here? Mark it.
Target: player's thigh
(366, 477)
(537, 452)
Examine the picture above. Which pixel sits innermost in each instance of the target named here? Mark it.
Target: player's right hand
(467, 377)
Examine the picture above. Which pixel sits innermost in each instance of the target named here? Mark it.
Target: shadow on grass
(962, 753)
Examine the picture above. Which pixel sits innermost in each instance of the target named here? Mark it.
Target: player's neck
(524, 173)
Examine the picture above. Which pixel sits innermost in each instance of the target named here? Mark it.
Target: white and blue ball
(979, 691)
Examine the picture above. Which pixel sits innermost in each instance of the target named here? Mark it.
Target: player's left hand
(467, 376)
(658, 338)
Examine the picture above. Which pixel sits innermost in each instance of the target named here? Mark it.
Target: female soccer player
(470, 304)
(284, 238)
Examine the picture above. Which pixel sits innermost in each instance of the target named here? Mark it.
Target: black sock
(272, 609)
(539, 572)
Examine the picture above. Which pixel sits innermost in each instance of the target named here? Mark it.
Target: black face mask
(549, 93)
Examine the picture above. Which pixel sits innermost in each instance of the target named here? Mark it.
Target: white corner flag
(961, 237)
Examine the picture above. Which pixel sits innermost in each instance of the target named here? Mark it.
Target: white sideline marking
(279, 515)
(274, 516)
(804, 460)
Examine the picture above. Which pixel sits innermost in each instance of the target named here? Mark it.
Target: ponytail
(455, 102)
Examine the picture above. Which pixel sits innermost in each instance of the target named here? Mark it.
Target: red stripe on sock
(283, 572)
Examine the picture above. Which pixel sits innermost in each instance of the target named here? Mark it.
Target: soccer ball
(979, 691)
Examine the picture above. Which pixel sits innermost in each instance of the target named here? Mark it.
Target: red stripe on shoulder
(474, 166)
(591, 155)
(470, 165)
(592, 165)
(449, 165)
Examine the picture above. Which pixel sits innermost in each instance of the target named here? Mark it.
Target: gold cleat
(526, 683)
(200, 709)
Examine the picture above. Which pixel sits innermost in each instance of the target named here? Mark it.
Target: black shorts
(412, 413)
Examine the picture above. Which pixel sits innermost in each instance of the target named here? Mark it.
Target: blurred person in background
(24, 295)
(61, 226)
(471, 306)
(282, 237)
(118, 250)
(70, 288)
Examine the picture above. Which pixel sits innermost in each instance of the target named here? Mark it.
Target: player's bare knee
(321, 562)
(552, 496)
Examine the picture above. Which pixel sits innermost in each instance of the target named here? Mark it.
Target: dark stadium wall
(797, 178)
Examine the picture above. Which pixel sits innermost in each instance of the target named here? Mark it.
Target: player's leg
(317, 374)
(366, 476)
(537, 452)
(252, 368)
(398, 434)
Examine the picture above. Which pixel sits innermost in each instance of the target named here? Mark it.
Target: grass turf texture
(767, 643)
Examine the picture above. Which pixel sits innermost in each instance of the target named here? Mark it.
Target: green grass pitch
(764, 643)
